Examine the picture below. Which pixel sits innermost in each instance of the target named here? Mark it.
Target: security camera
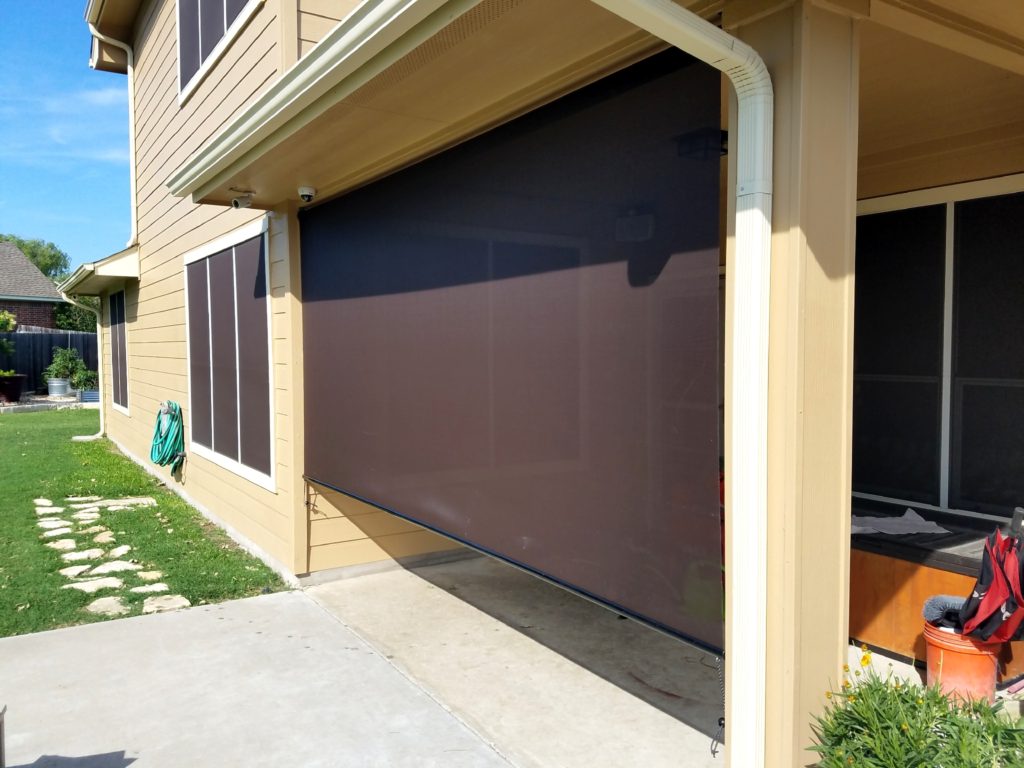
(242, 201)
(307, 194)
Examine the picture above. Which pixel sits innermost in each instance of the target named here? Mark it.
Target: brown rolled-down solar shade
(118, 352)
(515, 343)
(224, 367)
(200, 381)
(253, 356)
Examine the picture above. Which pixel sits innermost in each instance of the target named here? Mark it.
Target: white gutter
(747, 441)
(99, 366)
(134, 238)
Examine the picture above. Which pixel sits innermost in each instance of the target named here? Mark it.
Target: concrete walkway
(268, 681)
(466, 663)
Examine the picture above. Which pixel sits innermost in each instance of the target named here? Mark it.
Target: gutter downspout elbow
(134, 237)
(747, 394)
(99, 365)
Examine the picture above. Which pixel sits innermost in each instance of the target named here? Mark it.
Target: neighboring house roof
(21, 279)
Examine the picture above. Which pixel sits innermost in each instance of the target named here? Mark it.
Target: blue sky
(63, 133)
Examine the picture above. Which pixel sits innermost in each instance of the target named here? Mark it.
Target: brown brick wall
(31, 312)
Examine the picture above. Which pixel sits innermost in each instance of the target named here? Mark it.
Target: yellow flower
(864, 647)
(846, 684)
(851, 698)
(828, 694)
(920, 701)
(846, 667)
(865, 659)
(849, 760)
(905, 727)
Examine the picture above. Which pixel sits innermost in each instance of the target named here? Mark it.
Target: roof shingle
(20, 278)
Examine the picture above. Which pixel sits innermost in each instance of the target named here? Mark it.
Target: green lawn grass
(38, 459)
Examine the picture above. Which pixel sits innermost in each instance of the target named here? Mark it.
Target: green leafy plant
(7, 324)
(84, 379)
(66, 363)
(4, 373)
(887, 723)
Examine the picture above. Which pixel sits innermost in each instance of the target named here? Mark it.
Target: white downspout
(747, 441)
(134, 238)
(99, 368)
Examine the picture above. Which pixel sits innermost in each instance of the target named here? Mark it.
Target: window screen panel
(199, 354)
(189, 57)
(211, 25)
(223, 353)
(898, 353)
(232, 9)
(988, 473)
(118, 352)
(516, 343)
(254, 386)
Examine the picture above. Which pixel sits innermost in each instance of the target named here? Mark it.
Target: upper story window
(205, 30)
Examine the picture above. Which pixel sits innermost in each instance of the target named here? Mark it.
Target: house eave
(96, 277)
(39, 299)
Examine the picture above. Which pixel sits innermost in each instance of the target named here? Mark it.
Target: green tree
(71, 318)
(50, 259)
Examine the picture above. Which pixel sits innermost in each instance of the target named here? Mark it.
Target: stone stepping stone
(158, 587)
(88, 509)
(115, 566)
(133, 501)
(42, 502)
(150, 575)
(62, 544)
(49, 511)
(164, 603)
(55, 532)
(121, 551)
(74, 570)
(104, 538)
(86, 516)
(108, 606)
(92, 586)
(82, 498)
(53, 522)
(85, 554)
(94, 529)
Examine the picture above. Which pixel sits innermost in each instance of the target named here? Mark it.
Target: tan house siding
(317, 17)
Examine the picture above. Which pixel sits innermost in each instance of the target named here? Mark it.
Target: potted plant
(65, 364)
(86, 383)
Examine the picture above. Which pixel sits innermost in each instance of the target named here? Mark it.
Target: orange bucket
(961, 665)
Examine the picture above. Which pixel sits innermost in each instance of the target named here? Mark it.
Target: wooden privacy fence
(34, 351)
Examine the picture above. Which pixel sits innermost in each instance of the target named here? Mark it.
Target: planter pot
(58, 386)
(961, 665)
(11, 387)
(89, 395)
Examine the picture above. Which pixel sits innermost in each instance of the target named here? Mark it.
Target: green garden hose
(168, 436)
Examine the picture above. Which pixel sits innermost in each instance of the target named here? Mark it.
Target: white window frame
(946, 196)
(185, 90)
(113, 351)
(256, 228)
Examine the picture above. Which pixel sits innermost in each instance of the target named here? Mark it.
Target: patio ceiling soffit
(96, 277)
(361, 46)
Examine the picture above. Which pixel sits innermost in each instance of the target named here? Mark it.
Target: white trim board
(952, 193)
(230, 239)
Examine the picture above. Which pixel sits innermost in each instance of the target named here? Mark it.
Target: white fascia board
(371, 38)
(40, 299)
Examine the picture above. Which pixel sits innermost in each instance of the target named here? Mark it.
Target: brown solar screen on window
(199, 354)
(189, 57)
(515, 343)
(229, 354)
(119, 351)
(898, 353)
(253, 362)
(988, 355)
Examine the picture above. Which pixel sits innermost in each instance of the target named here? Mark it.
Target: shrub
(84, 379)
(65, 364)
(7, 324)
(888, 723)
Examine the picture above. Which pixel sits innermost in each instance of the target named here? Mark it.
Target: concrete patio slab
(267, 681)
(547, 677)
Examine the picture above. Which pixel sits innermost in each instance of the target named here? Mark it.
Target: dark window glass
(898, 353)
(189, 58)
(516, 343)
(988, 355)
(119, 350)
(233, 8)
(253, 361)
(199, 353)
